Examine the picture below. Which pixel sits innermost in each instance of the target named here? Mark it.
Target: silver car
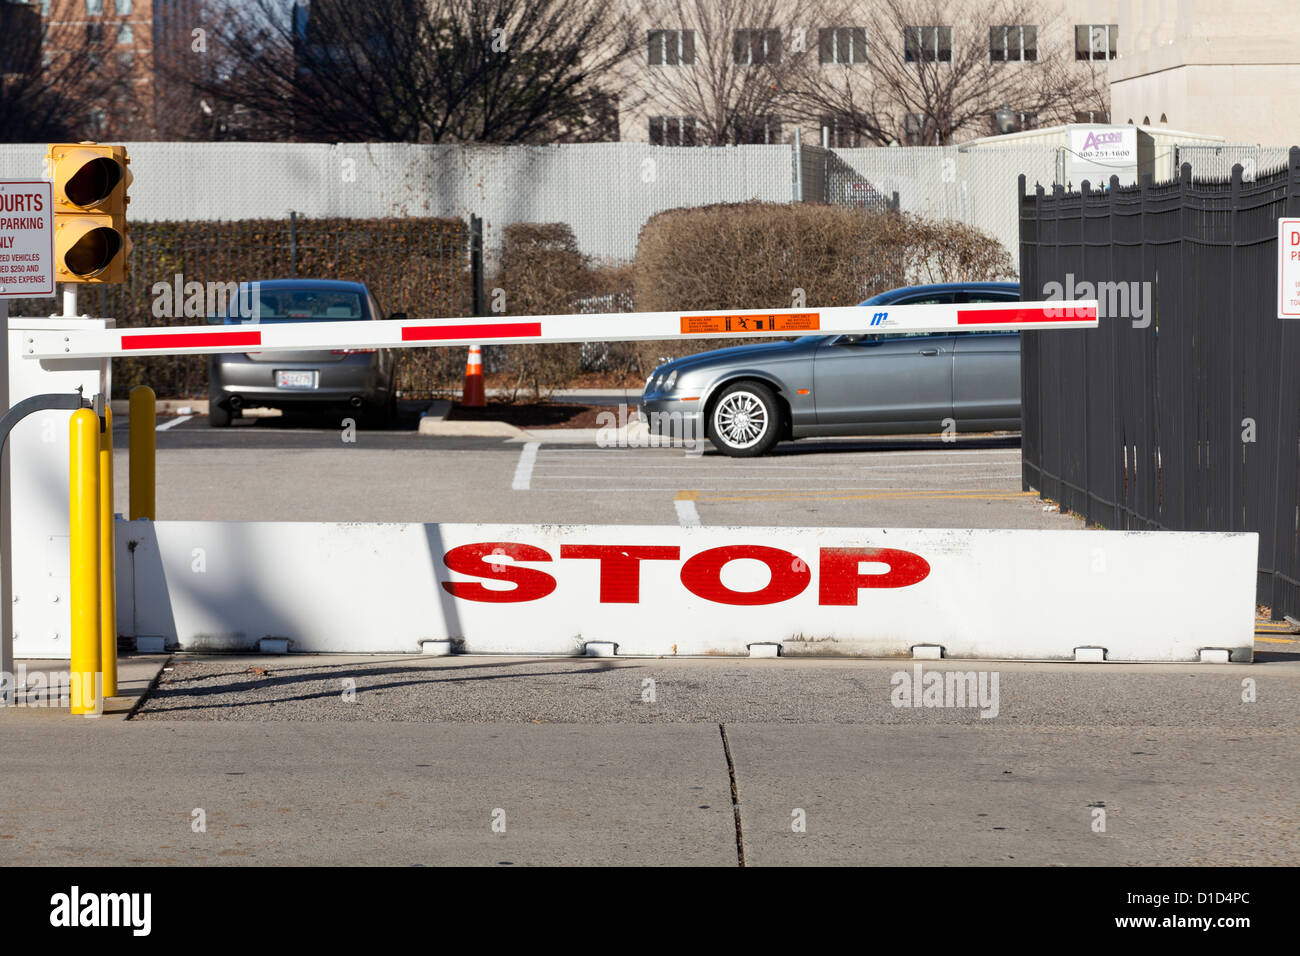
(356, 380)
(747, 398)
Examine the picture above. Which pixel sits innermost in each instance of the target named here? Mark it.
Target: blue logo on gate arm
(879, 318)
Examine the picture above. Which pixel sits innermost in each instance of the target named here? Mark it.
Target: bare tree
(723, 65)
(937, 71)
(416, 70)
(59, 79)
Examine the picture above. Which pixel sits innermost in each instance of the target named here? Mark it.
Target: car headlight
(670, 381)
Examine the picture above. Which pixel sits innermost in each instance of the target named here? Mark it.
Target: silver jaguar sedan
(747, 398)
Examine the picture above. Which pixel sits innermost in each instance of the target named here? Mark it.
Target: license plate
(295, 379)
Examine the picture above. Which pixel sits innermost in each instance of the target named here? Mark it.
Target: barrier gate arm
(276, 336)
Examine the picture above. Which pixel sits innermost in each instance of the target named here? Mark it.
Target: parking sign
(26, 239)
(1288, 268)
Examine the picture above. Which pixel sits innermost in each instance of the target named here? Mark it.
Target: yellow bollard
(143, 432)
(107, 578)
(83, 527)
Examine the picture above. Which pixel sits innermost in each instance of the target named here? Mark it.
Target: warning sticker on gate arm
(26, 239)
(712, 324)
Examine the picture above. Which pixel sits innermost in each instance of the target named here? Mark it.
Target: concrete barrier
(664, 590)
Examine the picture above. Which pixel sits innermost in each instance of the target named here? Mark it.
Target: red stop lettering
(620, 566)
(530, 583)
(840, 578)
(702, 575)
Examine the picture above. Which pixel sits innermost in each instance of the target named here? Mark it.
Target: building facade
(1228, 68)
(835, 68)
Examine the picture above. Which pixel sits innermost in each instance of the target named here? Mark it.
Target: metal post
(83, 570)
(293, 244)
(797, 194)
(476, 263)
(69, 300)
(143, 431)
(107, 578)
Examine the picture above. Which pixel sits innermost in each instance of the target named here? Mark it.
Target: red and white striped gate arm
(252, 336)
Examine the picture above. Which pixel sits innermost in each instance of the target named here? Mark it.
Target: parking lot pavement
(271, 471)
(586, 762)
(1024, 796)
(130, 794)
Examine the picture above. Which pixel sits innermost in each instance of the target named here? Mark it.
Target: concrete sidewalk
(512, 761)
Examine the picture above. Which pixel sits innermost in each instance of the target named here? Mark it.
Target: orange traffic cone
(474, 395)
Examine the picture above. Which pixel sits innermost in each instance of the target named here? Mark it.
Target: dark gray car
(356, 380)
(747, 398)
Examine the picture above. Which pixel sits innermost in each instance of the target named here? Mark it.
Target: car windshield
(297, 305)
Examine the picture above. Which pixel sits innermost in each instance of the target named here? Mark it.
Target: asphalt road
(496, 761)
(278, 469)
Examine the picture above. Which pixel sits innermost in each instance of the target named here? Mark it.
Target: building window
(672, 131)
(124, 7)
(126, 58)
(125, 35)
(756, 47)
(94, 8)
(1024, 120)
(841, 131)
(927, 44)
(1092, 116)
(1093, 41)
(756, 130)
(672, 47)
(918, 130)
(94, 33)
(842, 44)
(1008, 44)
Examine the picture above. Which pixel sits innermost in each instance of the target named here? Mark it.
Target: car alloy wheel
(744, 420)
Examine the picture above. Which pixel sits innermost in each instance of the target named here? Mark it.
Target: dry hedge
(543, 273)
(758, 255)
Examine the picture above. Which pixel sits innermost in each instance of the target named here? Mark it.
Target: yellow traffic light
(91, 239)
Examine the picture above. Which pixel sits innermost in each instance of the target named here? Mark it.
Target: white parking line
(524, 470)
(687, 516)
(178, 420)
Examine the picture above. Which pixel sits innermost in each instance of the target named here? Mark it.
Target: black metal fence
(1181, 411)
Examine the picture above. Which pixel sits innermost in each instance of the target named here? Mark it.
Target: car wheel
(745, 421)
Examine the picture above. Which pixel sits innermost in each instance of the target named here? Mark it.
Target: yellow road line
(1275, 640)
(878, 495)
(686, 496)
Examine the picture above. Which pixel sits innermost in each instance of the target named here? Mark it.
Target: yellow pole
(83, 527)
(107, 579)
(143, 432)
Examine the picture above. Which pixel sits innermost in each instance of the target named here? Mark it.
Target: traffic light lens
(92, 253)
(93, 183)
